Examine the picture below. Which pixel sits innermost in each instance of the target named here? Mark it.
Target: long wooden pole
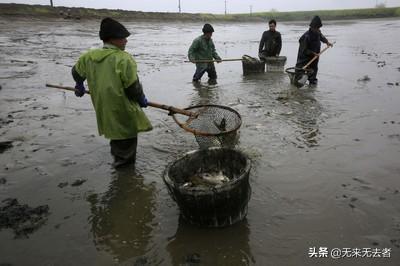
(316, 56)
(213, 60)
(169, 108)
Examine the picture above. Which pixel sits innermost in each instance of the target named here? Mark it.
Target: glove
(79, 89)
(143, 102)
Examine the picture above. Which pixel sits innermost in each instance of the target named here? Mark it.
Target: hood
(316, 22)
(99, 55)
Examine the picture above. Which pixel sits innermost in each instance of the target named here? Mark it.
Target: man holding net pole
(202, 52)
(116, 92)
(310, 47)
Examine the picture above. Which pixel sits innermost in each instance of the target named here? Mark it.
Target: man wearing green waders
(116, 92)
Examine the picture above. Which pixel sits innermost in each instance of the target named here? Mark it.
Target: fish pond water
(325, 160)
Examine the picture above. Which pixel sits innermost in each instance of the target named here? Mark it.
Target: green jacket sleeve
(80, 68)
(128, 71)
(214, 52)
(192, 50)
(130, 80)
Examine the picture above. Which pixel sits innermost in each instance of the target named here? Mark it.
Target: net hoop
(203, 133)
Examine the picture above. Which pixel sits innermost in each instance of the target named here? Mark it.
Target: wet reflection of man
(306, 112)
(121, 218)
(200, 246)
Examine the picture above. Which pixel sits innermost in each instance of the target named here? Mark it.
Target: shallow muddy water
(325, 173)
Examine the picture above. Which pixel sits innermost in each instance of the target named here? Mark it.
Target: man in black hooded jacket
(310, 45)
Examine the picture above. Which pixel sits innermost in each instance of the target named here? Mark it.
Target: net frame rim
(207, 134)
(292, 70)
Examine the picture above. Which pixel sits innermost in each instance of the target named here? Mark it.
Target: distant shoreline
(45, 11)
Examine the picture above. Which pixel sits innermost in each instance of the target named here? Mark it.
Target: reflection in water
(205, 94)
(196, 246)
(305, 112)
(122, 217)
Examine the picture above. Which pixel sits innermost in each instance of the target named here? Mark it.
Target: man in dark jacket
(203, 49)
(271, 42)
(310, 45)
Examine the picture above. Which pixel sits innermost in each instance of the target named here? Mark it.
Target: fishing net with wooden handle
(212, 125)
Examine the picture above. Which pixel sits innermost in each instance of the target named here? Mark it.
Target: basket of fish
(211, 186)
(252, 65)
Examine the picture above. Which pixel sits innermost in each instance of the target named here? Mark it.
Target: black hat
(110, 28)
(316, 22)
(207, 28)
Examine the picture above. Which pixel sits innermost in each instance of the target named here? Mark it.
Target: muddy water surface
(325, 159)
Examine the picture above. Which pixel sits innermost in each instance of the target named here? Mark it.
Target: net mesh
(295, 73)
(214, 125)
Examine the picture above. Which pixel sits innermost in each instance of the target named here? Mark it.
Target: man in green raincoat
(203, 48)
(116, 92)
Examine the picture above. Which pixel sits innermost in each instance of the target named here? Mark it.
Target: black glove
(143, 101)
(79, 89)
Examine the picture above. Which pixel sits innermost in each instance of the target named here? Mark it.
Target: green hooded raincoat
(108, 71)
(202, 49)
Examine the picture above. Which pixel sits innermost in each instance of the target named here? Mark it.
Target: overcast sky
(214, 6)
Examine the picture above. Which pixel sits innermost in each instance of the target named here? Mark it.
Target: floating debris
(22, 219)
(5, 122)
(78, 182)
(282, 98)
(63, 184)
(381, 63)
(5, 145)
(364, 79)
